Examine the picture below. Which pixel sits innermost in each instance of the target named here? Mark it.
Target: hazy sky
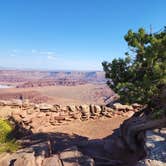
(71, 34)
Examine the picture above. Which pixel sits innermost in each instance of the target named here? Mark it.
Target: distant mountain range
(13, 75)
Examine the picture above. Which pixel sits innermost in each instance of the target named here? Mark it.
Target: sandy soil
(93, 129)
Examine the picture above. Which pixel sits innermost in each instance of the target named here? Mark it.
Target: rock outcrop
(42, 154)
(41, 149)
(39, 117)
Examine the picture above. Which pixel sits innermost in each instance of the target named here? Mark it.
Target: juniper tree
(141, 76)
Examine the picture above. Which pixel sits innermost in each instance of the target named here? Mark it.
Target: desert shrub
(7, 142)
(5, 130)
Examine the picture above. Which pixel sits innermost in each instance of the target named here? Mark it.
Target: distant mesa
(55, 86)
(51, 82)
(14, 76)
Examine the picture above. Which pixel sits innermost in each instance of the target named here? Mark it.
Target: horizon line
(40, 69)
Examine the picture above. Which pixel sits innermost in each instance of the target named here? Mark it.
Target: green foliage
(5, 130)
(6, 141)
(140, 76)
(10, 146)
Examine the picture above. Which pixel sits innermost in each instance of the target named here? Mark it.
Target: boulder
(30, 111)
(64, 108)
(45, 107)
(107, 112)
(16, 117)
(72, 108)
(27, 120)
(59, 118)
(56, 107)
(85, 111)
(4, 159)
(97, 110)
(129, 114)
(76, 115)
(72, 157)
(25, 159)
(108, 109)
(26, 103)
(128, 107)
(38, 122)
(149, 162)
(118, 106)
(4, 103)
(137, 106)
(34, 126)
(39, 160)
(121, 107)
(23, 114)
(52, 161)
(40, 115)
(16, 102)
(109, 115)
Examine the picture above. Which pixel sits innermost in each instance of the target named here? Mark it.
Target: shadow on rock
(51, 143)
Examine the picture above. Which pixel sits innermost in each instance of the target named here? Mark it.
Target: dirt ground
(93, 129)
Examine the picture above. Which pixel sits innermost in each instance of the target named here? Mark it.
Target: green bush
(7, 143)
(5, 130)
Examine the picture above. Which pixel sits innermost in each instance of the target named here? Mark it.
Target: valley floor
(79, 94)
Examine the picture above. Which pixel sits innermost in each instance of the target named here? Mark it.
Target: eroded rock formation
(40, 117)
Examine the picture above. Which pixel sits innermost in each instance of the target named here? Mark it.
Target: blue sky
(71, 34)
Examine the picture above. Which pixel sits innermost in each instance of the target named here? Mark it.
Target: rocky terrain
(44, 117)
(156, 144)
(62, 118)
(52, 134)
(42, 144)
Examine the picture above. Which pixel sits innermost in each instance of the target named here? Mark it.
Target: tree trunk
(133, 130)
(126, 146)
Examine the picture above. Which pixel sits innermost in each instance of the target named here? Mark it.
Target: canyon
(67, 119)
(60, 87)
